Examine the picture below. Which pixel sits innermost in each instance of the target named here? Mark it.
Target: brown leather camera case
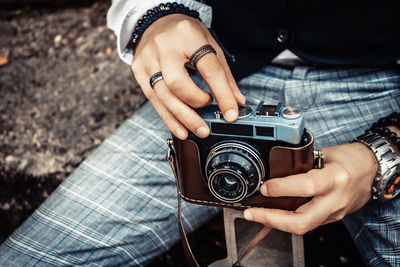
(283, 161)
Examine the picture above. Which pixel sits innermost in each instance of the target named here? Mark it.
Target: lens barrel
(234, 171)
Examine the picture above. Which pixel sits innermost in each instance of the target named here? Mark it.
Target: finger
(170, 121)
(179, 82)
(214, 74)
(235, 89)
(240, 98)
(313, 214)
(186, 115)
(314, 182)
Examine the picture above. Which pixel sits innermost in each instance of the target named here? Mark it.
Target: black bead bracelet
(152, 15)
(379, 127)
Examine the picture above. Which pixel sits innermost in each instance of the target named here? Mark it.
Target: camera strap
(171, 157)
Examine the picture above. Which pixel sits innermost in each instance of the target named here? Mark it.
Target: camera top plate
(263, 122)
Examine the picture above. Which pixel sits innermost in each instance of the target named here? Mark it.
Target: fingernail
(230, 115)
(248, 215)
(180, 133)
(202, 131)
(264, 190)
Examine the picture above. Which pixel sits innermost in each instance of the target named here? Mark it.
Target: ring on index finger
(156, 77)
(199, 53)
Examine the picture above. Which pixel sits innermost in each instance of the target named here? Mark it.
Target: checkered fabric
(119, 207)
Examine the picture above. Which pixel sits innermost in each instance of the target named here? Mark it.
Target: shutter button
(283, 35)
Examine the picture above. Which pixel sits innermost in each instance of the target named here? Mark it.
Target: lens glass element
(229, 183)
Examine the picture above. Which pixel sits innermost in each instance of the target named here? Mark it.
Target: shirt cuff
(133, 11)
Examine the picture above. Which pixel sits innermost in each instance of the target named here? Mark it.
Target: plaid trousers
(120, 206)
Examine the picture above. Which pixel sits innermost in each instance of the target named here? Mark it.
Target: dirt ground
(63, 90)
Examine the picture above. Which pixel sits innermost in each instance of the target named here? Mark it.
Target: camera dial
(234, 171)
(244, 111)
(291, 113)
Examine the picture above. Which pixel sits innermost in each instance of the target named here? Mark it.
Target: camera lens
(234, 171)
(227, 185)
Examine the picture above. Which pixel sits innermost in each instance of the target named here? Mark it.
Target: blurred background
(63, 90)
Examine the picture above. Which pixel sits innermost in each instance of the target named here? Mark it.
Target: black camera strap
(171, 157)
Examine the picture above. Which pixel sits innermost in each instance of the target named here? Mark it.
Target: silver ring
(199, 53)
(156, 77)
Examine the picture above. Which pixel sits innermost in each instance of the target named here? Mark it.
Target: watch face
(392, 187)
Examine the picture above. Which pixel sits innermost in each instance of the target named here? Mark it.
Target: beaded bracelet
(379, 127)
(153, 14)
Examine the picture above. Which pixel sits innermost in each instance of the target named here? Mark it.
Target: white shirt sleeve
(123, 15)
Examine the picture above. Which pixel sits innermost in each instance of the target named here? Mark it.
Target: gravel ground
(63, 89)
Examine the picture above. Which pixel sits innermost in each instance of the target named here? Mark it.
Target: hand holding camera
(343, 186)
(166, 47)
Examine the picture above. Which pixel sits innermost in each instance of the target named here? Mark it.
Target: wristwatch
(386, 183)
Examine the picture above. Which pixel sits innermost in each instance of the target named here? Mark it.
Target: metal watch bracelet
(388, 161)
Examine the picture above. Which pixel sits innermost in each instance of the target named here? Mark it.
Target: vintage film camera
(228, 167)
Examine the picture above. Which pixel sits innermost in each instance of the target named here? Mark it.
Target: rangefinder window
(231, 129)
(265, 131)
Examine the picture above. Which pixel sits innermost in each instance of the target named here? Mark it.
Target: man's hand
(166, 46)
(341, 187)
